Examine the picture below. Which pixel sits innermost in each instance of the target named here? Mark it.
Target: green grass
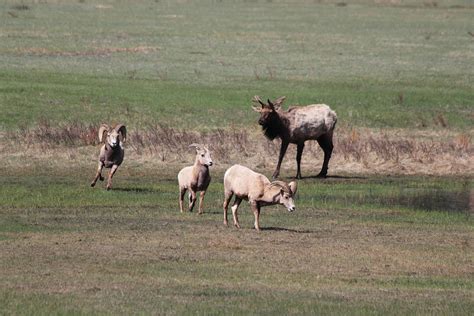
(78, 249)
(376, 65)
(359, 245)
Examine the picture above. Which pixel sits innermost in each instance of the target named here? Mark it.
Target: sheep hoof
(92, 184)
(101, 178)
(226, 223)
(108, 188)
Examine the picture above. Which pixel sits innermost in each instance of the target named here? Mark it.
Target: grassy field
(391, 231)
(355, 245)
(376, 65)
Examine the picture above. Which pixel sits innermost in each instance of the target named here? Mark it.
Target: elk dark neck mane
(275, 128)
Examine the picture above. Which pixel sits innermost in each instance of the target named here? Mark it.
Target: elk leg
(284, 147)
(111, 174)
(98, 174)
(201, 198)
(325, 141)
(234, 211)
(299, 153)
(256, 212)
(192, 200)
(227, 197)
(182, 192)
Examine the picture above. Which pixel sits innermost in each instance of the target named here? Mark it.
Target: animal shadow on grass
(135, 190)
(282, 229)
(335, 177)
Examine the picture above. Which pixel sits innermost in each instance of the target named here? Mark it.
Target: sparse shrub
(20, 7)
(238, 145)
(463, 141)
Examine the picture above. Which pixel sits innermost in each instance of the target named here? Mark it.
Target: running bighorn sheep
(195, 178)
(257, 189)
(111, 153)
(297, 125)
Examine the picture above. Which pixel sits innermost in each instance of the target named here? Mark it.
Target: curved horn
(194, 145)
(104, 128)
(282, 185)
(120, 128)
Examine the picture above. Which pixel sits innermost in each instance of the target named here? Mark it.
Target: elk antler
(257, 99)
(278, 102)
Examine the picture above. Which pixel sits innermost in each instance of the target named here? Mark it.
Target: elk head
(267, 111)
(269, 117)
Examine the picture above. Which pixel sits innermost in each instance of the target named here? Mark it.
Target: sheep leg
(234, 211)
(182, 192)
(227, 197)
(98, 174)
(325, 142)
(111, 174)
(284, 147)
(256, 212)
(299, 153)
(192, 200)
(201, 199)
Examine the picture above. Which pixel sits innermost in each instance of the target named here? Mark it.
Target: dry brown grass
(97, 51)
(357, 150)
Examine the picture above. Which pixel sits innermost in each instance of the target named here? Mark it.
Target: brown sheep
(111, 153)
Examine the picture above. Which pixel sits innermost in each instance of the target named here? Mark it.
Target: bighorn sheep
(195, 178)
(257, 189)
(111, 153)
(297, 125)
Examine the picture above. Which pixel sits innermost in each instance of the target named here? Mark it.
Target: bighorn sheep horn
(122, 130)
(104, 128)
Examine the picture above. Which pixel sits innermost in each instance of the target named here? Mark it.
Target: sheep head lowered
(111, 153)
(286, 194)
(246, 184)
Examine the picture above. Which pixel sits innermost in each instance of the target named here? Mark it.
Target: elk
(295, 126)
(111, 153)
(257, 189)
(195, 178)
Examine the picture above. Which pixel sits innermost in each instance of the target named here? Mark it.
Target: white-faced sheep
(297, 125)
(257, 189)
(111, 153)
(195, 178)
